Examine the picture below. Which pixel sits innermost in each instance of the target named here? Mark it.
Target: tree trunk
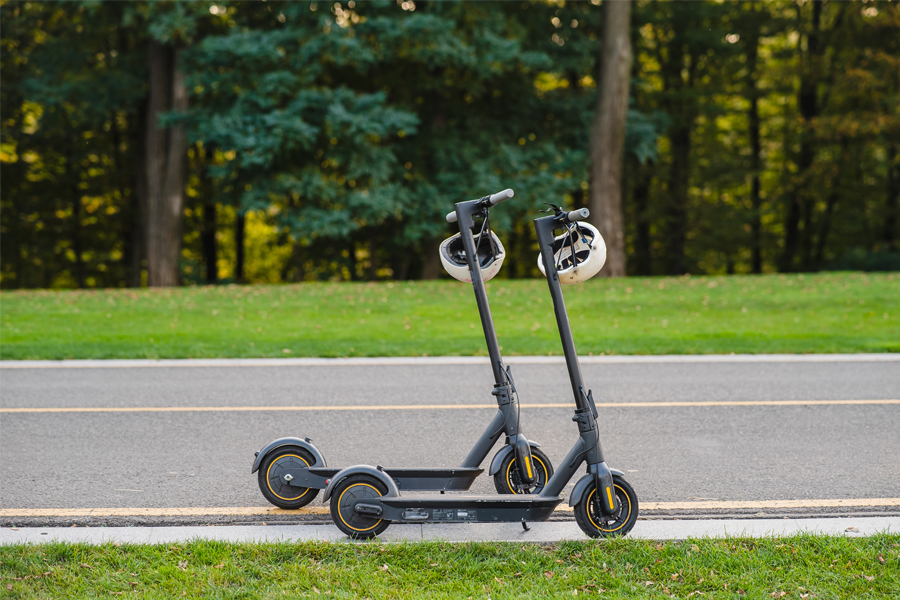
(755, 156)
(138, 221)
(240, 222)
(608, 134)
(819, 256)
(800, 201)
(431, 260)
(893, 197)
(352, 262)
(207, 187)
(12, 238)
(76, 236)
(513, 251)
(372, 267)
(298, 272)
(681, 106)
(643, 244)
(677, 206)
(210, 250)
(165, 161)
(833, 196)
(755, 189)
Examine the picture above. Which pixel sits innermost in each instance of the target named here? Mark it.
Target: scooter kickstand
(525, 526)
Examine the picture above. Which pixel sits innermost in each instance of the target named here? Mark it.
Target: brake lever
(509, 377)
(589, 400)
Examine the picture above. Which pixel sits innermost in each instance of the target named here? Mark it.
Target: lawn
(829, 312)
(800, 567)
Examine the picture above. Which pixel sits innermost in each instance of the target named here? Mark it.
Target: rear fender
(361, 470)
(304, 443)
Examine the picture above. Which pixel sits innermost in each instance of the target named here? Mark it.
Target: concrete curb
(441, 360)
(480, 532)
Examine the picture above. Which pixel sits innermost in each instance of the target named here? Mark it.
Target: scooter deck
(455, 479)
(469, 509)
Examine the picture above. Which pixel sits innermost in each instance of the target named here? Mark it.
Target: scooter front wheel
(345, 496)
(508, 480)
(596, 524)
(271, 483)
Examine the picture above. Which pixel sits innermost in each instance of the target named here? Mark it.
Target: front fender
(580, 488)
(361, 470)
(584, 483)
(503, 453)
(289, 441)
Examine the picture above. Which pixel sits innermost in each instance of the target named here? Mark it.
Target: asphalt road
(203, 459)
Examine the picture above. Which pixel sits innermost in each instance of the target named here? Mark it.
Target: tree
(608, 133)
(162, 195)
(331, 139)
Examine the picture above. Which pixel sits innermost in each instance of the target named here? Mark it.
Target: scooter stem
(545, 227)
(465, 212)
(503, 386)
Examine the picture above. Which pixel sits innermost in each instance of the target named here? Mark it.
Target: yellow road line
(131, 409)
(194, 363)
(159, 512)
(737, 504)
(323, 510)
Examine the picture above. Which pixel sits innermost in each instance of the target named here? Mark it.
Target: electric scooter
(292, 470)
(364, 500)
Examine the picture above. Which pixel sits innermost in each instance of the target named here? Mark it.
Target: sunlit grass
(831, 312)
(800, 567)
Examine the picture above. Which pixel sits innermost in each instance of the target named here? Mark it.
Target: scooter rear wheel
(595, 524)
(508, 480)
(345, 495)
(275, 489)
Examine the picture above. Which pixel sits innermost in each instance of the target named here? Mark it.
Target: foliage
(683, 315)
(68, 91)
(350, 128)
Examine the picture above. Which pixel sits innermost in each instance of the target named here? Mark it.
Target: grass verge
(830, 312)
(798, 567)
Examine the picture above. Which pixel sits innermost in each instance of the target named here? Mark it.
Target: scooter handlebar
(499, 197)
(492, 200)
(577, 215)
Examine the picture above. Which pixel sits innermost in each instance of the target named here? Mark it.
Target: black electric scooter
(292, 470)
(365, 499)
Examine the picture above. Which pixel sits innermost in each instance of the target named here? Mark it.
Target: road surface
(684, 432)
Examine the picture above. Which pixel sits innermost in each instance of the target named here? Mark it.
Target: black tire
(508, 481)
(596, 525)
(345, 495)
(274, 488)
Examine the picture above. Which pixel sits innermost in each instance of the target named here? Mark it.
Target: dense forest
(303, 141)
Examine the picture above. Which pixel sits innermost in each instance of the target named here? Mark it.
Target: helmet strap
(485, 228)
(572, 240)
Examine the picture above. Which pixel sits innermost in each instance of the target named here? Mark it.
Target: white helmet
(490, 256)
(585, 261)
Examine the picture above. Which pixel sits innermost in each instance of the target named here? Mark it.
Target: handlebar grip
(451, 217)
(577, 215)
(499, 197)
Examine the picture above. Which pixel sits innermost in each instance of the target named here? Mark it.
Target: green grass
(831, 312)
(800, 567)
